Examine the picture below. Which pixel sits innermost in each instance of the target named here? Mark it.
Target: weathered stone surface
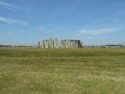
(54, 43)
(70, 44)
(50, 43)
(38, 43)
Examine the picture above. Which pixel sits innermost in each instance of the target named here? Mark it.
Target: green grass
(62, 71)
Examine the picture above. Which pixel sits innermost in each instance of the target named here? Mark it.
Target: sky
(94, 22)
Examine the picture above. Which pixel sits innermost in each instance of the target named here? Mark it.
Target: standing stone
(50, 43)
(70, 44)
(43, 44)
(54, 43)
(38, 43)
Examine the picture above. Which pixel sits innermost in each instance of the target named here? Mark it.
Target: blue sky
(94, 22)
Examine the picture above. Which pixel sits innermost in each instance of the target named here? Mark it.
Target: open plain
(26, 70)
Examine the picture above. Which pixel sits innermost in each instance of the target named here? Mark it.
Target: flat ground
(62, 71)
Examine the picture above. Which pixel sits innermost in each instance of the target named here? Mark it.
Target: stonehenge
(50, 43)
(54, 43)
(70, 44)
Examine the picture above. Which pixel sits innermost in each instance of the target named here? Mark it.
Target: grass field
(62, 71)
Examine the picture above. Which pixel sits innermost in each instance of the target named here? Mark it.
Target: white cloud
(97, 31)
(4, 4)
(13, 7)
(12, 21)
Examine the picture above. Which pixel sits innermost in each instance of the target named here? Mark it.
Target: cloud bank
(4, 4)
(97, 31)
(12, 21)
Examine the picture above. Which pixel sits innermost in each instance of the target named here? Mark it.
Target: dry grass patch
(62, 71)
